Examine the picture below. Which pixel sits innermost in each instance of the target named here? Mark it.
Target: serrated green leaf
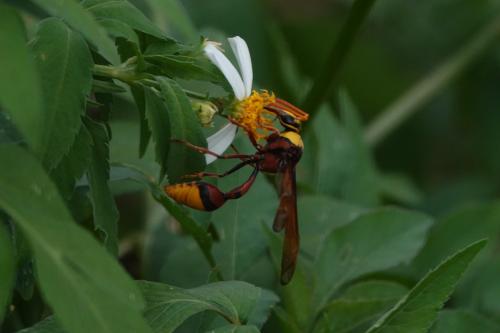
(168, 307)
(416, 312)
(479, 287)
(105, 211)
(64, 63)
(189, 226)
(73, 165)
(373, 242)
(359, 306)
(7, 267)
(123, 11)
(71, 266)
(185, 67)
(81, 20)
(184, 125)
(242, 239)
(18, 79)
(187, 62)
(157, 117)
(342, 166)
(463, 321)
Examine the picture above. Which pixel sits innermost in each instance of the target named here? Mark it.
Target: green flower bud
(205, 111)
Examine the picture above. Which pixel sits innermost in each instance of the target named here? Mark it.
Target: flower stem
(127, 75)
(411, 101)
(123, 74)
(329, 74)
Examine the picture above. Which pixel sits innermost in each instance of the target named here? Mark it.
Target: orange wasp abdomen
(197, 195)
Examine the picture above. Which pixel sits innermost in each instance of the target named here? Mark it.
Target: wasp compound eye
(289, 122)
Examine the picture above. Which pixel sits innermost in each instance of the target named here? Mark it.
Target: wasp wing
(286, 217)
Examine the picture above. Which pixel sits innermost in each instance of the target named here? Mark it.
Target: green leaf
(125, 12)
(25, 276)
(19, 79)
(359, 307)
(168, 307)
(186, 67)
(71, 266)
(479, 287)
(81, 20)
(323, 214)
(463, 321)
(7, 267)
(117, 29)
(187, 62)
(123, 147)
(463, 225)
(242, 239)
(184, 125)
(235, 329)
(73, 165)
(105, 212)
(189, 226)
(418, 309)
(8, 132)
(373, 242)
(145, 134)
(172, 14)
(64, 63)
(400, 188)
(48, 325)
(342, 166)
(158, 118)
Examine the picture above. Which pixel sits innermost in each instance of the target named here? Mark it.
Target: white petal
(240, 50)
(226, 67)
(220, 141)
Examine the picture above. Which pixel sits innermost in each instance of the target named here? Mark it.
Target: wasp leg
(241, 190)
(220, 175)
(203, 150)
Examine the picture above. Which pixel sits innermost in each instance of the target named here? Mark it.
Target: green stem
(128, 76)
(411, 101)
(329, 74)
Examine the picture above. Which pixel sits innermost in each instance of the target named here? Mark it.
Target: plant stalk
(424, 90)
(330, 72)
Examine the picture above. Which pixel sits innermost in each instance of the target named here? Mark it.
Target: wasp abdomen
(197, 195)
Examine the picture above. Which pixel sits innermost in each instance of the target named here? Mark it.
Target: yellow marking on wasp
(187, 194)
(294, 138)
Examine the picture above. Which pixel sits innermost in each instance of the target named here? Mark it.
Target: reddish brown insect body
(279, 155)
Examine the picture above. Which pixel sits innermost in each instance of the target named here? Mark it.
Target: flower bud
(205, 111)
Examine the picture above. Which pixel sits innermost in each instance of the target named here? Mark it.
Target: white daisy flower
(241, 84)
(253, 111)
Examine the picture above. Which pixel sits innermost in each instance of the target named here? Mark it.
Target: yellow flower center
(251, 115)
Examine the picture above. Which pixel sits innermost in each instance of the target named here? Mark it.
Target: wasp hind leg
(224, 174)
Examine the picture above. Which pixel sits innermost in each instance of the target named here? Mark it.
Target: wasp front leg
(238, 166)
(203, 150)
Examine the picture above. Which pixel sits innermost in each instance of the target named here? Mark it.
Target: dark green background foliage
(397, 189)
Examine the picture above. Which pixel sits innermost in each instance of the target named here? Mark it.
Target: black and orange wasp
(279, 155)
